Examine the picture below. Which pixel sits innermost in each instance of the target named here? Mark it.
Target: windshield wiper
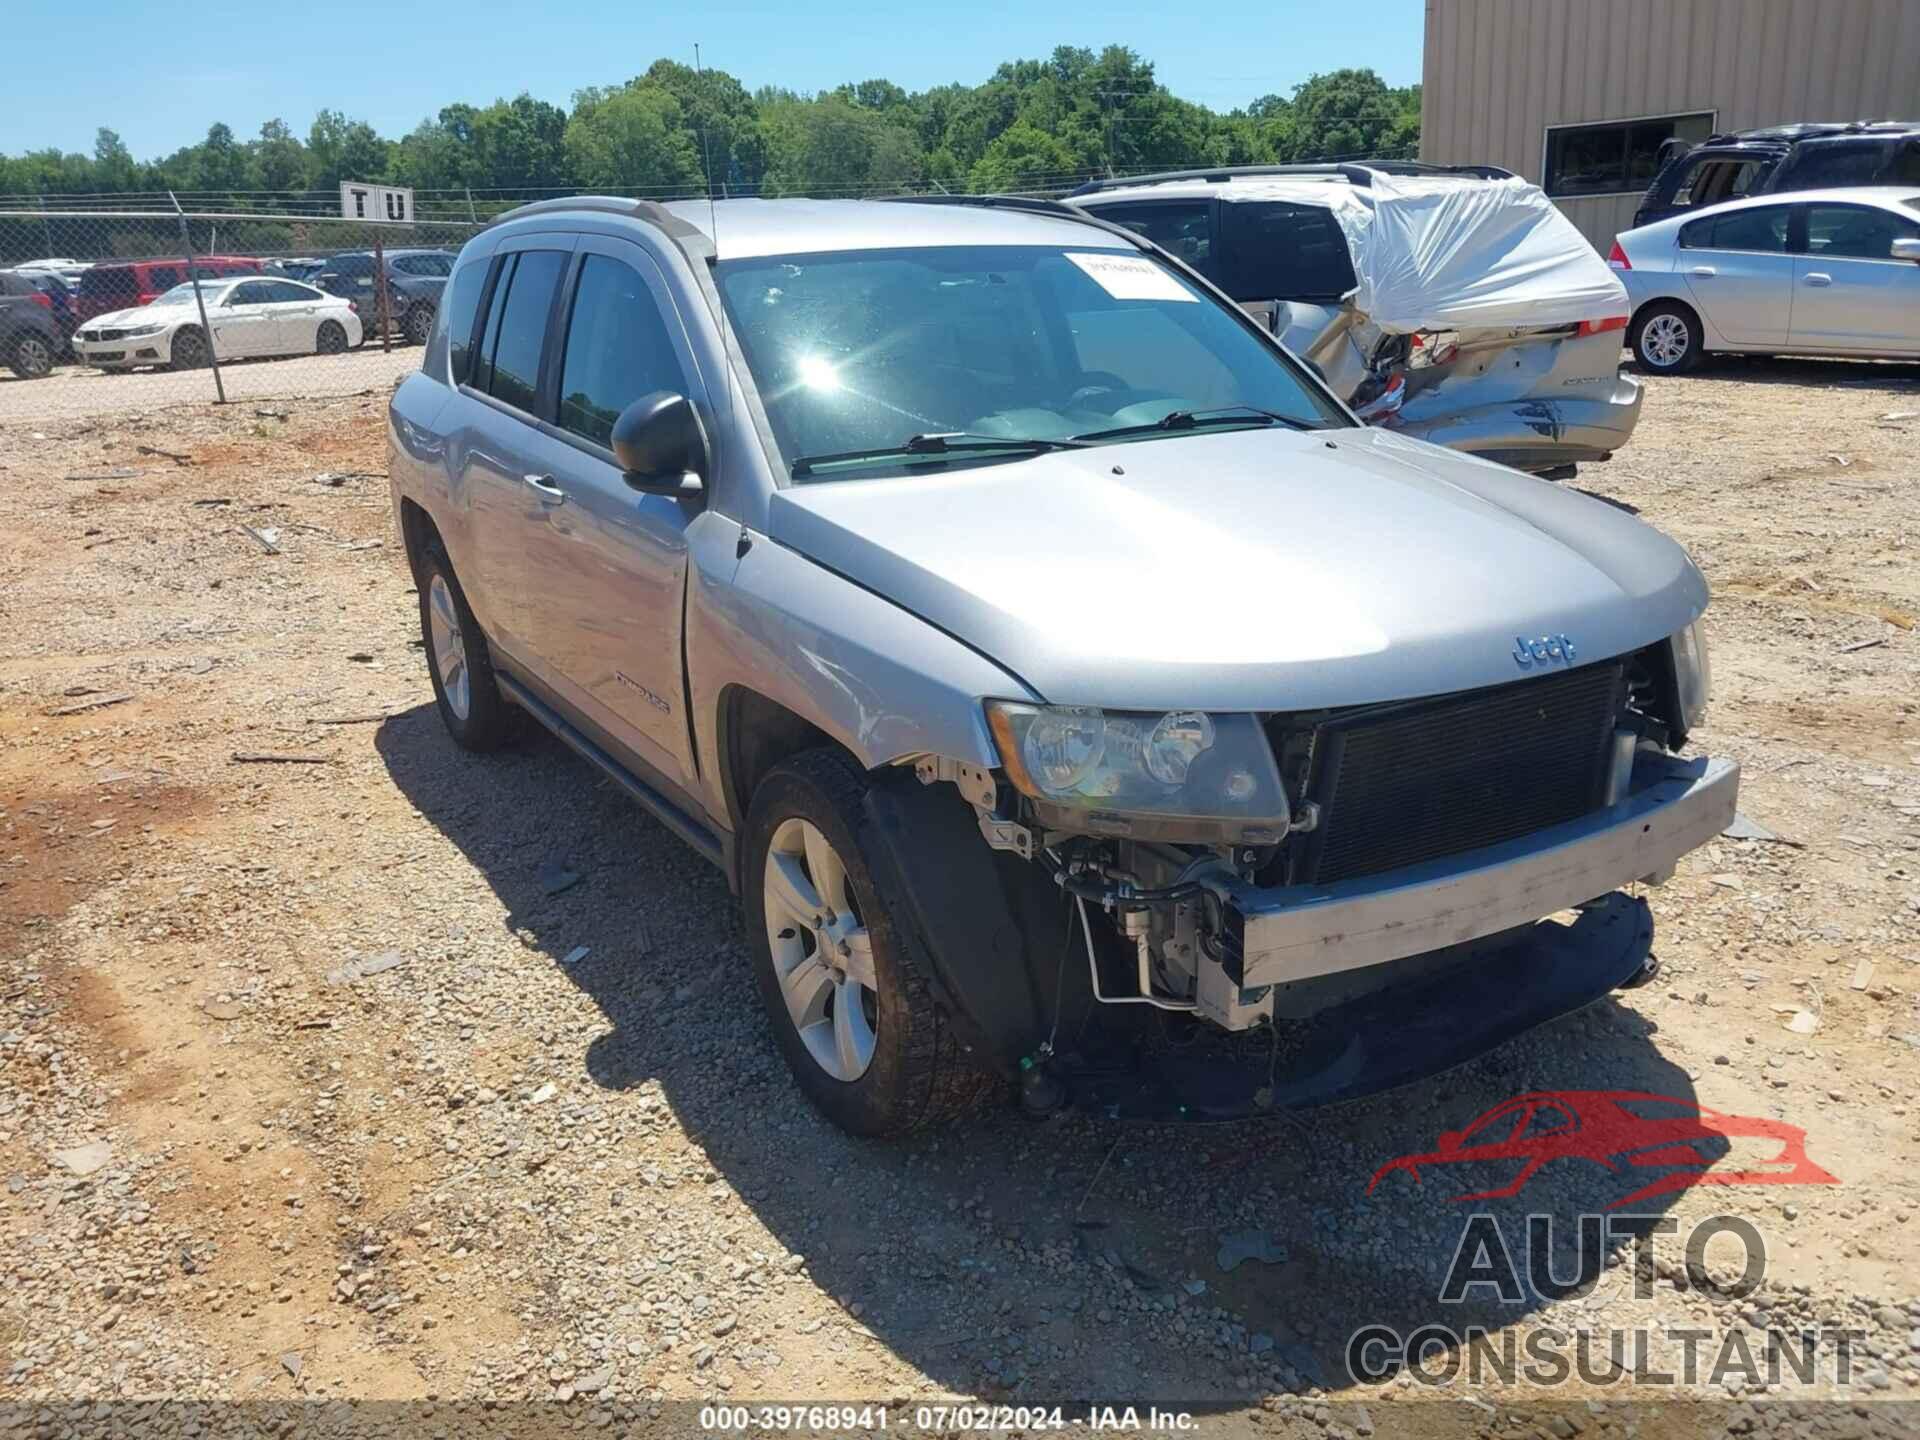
(946, 442)
(1195, 419)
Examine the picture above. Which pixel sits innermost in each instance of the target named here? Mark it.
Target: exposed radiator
(1404, 783)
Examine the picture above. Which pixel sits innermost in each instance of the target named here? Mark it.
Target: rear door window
(163, 277)
(1763, 229)
(618, 349)
(523, 302)
(1276, 250)
(254, 292)
(285, 292)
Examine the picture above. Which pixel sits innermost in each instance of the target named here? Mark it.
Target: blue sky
(160, 75)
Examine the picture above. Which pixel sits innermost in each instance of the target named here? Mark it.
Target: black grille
(1401, 784)
(107, 334)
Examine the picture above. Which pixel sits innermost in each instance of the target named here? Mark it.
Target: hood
(1250, 570)
(138, 315)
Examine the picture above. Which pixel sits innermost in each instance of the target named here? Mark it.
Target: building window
(1618, 158)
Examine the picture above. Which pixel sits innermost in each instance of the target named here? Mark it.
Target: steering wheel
(1097, 382)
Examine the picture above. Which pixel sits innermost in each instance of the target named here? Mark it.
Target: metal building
(1577, 95)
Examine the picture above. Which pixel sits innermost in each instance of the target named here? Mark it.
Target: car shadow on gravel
(1074, 1259)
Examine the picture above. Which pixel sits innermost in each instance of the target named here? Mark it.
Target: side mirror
(658, 442)
(1906, 248)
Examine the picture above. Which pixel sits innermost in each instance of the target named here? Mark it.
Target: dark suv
(31, 338)
(414, 278)
(1782, 157)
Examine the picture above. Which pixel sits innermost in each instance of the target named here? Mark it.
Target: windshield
(867, 350)
(183, 294)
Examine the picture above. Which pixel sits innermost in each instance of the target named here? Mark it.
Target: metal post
(380, 285)
(199, 299)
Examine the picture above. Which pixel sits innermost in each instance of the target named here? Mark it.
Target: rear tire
(893, 1066)
(418, 324)
(30, 357)
(330, 338)
(1667, 338)
(477, 715)
(188, 352)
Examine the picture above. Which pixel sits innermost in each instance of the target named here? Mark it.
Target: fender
(881, 682)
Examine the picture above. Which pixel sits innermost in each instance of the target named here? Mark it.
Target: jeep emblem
(1542, 651)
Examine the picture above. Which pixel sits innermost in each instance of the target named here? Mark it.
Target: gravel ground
(315, 1083)
(74, 392)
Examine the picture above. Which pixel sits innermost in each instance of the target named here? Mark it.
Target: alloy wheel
(822, 950)
(1665, 340)
(449, 648)
(34, 357)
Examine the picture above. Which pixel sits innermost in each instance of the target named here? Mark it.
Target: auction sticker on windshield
(1131, 277)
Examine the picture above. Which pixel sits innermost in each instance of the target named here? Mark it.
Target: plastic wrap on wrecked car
(1468, 254)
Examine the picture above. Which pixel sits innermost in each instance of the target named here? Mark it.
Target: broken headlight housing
(1692, 675)
(1182, 772)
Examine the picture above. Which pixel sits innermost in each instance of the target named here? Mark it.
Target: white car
(1802, 272)
(250, 316)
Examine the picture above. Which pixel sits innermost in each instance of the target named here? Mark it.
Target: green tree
(632, 138)
(520, 144)
(279, 159)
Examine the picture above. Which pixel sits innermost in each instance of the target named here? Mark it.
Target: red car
(1615, 1129)
(126, 284)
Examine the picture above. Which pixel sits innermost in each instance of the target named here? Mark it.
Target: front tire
(1667, 338)
(31, 358)
(476, 714)
(845, 993)
(188, 352)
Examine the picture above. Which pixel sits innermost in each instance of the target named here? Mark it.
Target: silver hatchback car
(1066, 681)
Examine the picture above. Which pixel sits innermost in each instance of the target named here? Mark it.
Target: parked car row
(297, 306)
(248, 317)
(1067, 681)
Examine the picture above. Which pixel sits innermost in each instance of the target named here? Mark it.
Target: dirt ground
(315, 1083)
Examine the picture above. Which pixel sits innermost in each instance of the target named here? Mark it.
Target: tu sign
(382, 204)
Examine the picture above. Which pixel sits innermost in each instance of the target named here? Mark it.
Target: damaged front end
(1187, 916)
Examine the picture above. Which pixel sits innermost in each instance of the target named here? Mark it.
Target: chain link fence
(108, 311)
(129, 303)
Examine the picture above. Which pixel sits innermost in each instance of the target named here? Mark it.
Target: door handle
(1818, 277)
(549, 493)
(1703, 272)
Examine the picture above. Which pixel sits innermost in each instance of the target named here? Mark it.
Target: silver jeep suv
(1080, 700)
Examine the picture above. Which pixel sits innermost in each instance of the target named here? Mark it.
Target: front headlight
(1181, 765)
(1691, 671)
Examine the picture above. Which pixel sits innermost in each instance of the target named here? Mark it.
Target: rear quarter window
(462, 311)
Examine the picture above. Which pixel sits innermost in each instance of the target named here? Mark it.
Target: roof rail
(1035, 203)
(1357, 172)
(651, 211)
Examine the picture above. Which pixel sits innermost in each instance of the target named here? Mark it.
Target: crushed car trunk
(1463, 310)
